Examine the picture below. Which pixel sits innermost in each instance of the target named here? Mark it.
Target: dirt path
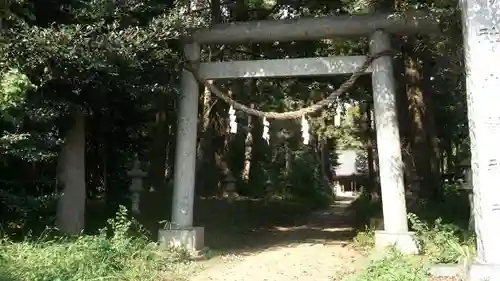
(315, 251)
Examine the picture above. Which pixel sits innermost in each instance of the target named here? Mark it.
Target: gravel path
(316, 251)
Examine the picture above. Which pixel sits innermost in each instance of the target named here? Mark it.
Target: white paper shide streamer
(233, 126)
(265, 131)
(305, 130)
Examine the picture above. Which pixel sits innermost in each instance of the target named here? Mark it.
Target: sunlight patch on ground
(305, 227)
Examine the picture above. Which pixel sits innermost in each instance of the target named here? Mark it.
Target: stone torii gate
(377, 27)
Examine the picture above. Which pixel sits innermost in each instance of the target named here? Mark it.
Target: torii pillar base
(405, 242)
(483, 272)
(189, 239)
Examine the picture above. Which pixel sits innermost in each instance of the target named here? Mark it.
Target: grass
(364, 240)
(443, 242)
(121, 251)
(393, 266)
(438, 243)
(113, 254)
(441, 236)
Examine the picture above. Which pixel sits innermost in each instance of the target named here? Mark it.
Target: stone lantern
(137, 175)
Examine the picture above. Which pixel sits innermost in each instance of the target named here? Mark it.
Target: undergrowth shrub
(302, 181)
(21, 212)
(440, 225)
(113, 254)
(442, 243)
(441, 232)
(364, 240)
(437, 241)
(364, 208)
(452, 209)
(393, 266)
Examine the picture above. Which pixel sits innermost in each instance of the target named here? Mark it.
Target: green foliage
(364, 208)
(393, 266)
(13, 88)
(26, 214)
(306, 181)
(438, 242)
(454, 209)
(267, 4)
(364, 240)
(117, 257)
(442, 243)
(110, 60)
(441, 240)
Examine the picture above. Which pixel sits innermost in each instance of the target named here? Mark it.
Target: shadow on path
(252, 226)
(310, 247)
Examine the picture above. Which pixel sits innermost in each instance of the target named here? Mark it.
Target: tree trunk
(324, 148)
(430, 126)
(228, 183)
(216, 11)
(255, 179)
(449, 155)
(205, 160)
(239, 12)
(104, 159)
(325, 161)
(245, 175)
(421, 149)
(71, 174)
(369, 143)
(159, 148)
(288, 160)
(155, 203)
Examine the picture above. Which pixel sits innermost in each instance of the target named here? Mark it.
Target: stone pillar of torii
(481, 32)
